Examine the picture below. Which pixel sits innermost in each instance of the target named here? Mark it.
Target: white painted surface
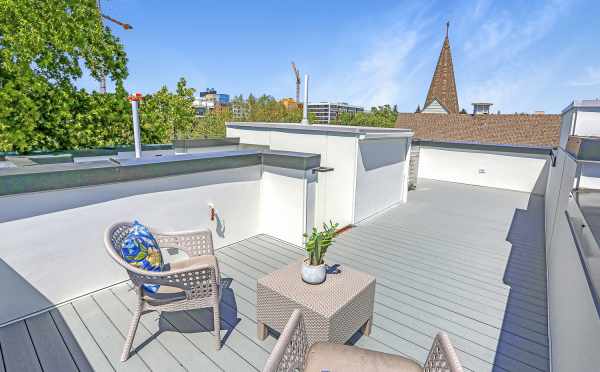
(381, 174)
(52, 246)
(285, 204)
(581, 118)
(339, 197)
(512, 171)
(434, 108)
(55, 255)
(587, 123)
(574, 326)
(573, 320)
(590, 176)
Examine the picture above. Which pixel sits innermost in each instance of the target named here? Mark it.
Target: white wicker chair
(292, 354)
(188, 284)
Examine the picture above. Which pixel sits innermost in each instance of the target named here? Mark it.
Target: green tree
(381, 116)
(265, 108)
(165, 116)
(44, 48)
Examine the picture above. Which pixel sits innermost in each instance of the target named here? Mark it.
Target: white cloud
(503, 35)
(384, 65)
(590, 78)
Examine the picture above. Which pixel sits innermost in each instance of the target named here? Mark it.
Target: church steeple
(443, 85)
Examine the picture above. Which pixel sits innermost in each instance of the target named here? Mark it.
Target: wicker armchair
(292, 354)
(188, 284)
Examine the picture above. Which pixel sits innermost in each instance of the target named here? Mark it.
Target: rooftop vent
(481, 108)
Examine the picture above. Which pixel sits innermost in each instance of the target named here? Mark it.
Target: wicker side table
(333, 311)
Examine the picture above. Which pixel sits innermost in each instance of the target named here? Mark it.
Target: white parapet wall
(52, 247)
(497, 167)
(368, 166)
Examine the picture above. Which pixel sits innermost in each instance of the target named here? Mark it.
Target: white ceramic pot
(313, 274)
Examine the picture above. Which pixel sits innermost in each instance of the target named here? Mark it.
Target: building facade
(210, 100)
(327, 112)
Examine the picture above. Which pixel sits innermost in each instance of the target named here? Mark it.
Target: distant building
(481, 108)
(441, 121)
(210, 100)
(441, 96)
(327, 112)
(291, 104)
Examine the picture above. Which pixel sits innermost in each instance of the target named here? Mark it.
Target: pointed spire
(443, 85)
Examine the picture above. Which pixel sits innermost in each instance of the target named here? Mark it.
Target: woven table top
(325, 298)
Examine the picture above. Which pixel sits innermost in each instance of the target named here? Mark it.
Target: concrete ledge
(69, 175)
(293, 160)
(331, 129)
(208, 142)
(485, 147)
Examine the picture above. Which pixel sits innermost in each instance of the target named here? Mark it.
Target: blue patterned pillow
(141, 250)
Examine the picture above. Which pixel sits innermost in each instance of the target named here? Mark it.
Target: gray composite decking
(463, 259)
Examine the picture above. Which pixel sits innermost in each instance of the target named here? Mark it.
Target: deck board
(52, 352)
(463, 259)
(17, 349)
(87, 359)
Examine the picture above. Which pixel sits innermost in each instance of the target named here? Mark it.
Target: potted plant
(313, 267)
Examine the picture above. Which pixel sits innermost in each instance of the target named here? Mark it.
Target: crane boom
(298, 81)
(126, 26)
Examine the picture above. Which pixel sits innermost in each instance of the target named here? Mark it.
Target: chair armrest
(291, 348)
(198, 277)
(192, 242)
(442, 355)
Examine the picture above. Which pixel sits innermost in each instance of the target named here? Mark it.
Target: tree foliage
(44, 48)
(262, 109)
(382, 116)
(165, 115)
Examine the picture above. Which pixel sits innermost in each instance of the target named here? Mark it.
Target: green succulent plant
(317, 243)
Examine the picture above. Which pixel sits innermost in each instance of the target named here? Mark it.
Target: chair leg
(132, 329)
(217, 325)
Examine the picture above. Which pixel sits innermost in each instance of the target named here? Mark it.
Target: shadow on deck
(526, 275)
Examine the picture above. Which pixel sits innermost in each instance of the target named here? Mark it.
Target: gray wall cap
(68, 175)
(484, 147)
(316, 128)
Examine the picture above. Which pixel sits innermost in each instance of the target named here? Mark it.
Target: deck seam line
(140, 323)
(119, 331)
(91, 335)
(425, 322)
(58, 305)
(33, 345)
(64, 341)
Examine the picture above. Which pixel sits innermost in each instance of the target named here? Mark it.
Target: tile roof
(443, 85)
(513, 129)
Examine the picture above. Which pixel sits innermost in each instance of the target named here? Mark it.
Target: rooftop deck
(464, 259)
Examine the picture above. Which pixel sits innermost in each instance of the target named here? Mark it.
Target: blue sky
(520, 55)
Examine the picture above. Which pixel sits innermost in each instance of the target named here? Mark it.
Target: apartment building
(327, 112)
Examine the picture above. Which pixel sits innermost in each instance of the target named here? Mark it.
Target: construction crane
(298, 81)
(126, 26)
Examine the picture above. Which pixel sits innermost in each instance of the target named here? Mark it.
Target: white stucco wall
(287, 203)
(52, 247)
(512, 171)
(52, 242)
(350, 192)
(381, 175)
